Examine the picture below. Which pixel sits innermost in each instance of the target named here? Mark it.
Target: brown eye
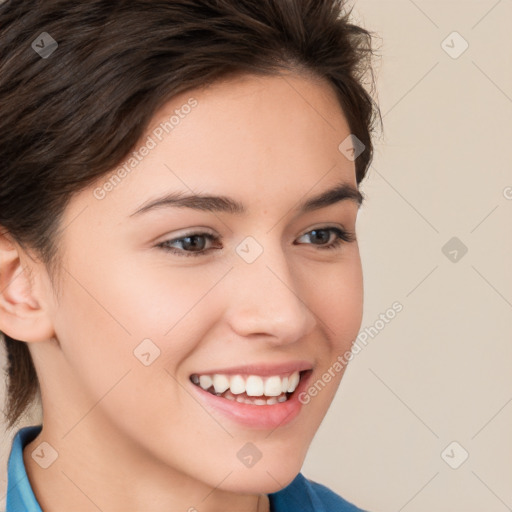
(324, 235)
(193, 244)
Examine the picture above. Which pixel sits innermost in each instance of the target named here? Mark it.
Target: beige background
(440, 370)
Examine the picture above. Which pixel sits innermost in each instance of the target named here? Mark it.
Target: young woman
(180, 278)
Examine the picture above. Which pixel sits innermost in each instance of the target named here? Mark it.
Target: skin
(130, 436)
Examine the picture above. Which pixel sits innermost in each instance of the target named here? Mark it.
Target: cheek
(114, 320)
(337, 295)
(117, 353)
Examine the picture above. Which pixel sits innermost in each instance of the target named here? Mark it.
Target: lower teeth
(244, 399)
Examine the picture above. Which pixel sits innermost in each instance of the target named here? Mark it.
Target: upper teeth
(253, 385)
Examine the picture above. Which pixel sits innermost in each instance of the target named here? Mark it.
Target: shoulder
(306, 495)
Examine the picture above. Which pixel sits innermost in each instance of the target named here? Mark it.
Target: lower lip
(257, 416)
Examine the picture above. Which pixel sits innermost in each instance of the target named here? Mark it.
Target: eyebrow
(209, 203)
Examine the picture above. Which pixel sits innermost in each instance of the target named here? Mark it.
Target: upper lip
(261, 369)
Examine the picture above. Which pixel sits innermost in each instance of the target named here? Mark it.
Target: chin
(264, 477)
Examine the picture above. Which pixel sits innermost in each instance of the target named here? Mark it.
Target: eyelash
(343, 236)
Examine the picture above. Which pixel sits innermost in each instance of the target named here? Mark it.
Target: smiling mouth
(251, 389)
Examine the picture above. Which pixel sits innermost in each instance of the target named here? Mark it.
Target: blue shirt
(301, 495)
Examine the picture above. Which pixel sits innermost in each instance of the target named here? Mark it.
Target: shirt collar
(20, 497)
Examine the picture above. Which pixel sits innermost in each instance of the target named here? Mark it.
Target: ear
(24, 312)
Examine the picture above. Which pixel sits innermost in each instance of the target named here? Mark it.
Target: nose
(267, 300)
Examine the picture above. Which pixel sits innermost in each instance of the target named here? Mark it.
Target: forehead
(257, 139)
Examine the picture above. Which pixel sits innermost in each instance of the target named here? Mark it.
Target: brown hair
(71, 116)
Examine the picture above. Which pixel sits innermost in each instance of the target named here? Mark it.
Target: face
(154, 303)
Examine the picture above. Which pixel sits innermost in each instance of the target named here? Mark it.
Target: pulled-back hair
(70, 116)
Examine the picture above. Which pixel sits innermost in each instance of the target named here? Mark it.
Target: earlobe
(22, 315)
